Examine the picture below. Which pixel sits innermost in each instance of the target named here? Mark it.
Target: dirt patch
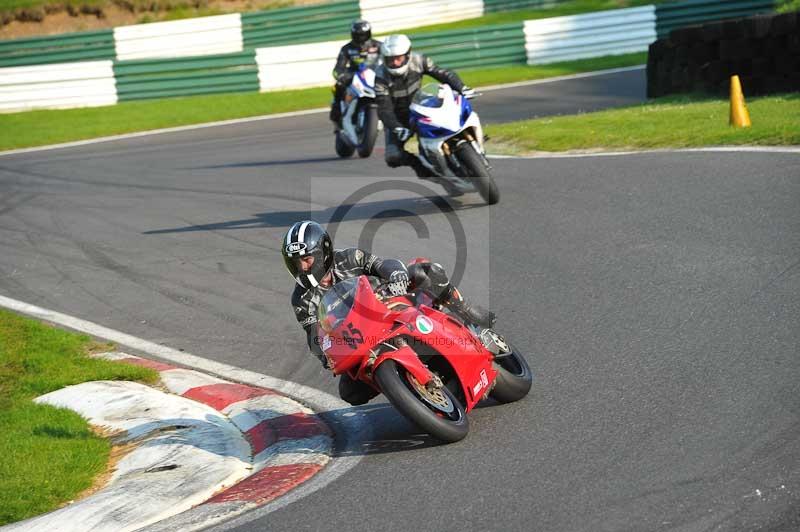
(53, 19)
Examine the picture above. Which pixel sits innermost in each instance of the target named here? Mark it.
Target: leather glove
(344, 80)
(468, 92)
(402, 133)
(398, 283)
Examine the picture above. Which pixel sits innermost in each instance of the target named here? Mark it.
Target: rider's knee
(355, 392)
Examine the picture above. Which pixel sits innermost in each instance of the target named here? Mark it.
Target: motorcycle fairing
(354, 342)
(454, 341)
(361, 87)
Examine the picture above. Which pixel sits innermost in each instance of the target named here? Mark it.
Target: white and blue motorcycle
(451, 140)
(359, 115)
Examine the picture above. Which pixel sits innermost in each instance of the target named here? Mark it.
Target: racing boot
(452, 300)
(422, 171)
(336, 116)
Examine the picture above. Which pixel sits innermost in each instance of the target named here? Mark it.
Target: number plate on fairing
(482, 383)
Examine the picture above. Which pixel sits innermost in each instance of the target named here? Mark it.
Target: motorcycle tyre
(369, 133)
(514, 378)
(477, 172)
(390, 380)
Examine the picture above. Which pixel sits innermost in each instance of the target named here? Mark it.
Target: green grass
(47, 455)
(784, 6)
(36, 128)
(512, 73)
(672, 123)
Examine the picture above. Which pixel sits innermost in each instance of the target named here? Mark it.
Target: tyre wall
(763, 50)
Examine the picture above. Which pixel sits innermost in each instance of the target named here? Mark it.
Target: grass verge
(667, 123)
(47, 455)
(37, 128)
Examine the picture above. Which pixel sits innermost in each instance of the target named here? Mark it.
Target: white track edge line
(555, 79)
(319, 401)
(728, 149)
(293, 114)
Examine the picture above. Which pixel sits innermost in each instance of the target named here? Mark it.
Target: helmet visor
(307, 269)
(396, 61)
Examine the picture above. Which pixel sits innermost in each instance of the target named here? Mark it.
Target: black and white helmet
(307, 239)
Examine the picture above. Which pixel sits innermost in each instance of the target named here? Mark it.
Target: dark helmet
(307, 239)
(360, 31)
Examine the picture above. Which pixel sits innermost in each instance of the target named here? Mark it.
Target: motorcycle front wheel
(472, 163)
(438, 413)
(514, 377)
(369, 131)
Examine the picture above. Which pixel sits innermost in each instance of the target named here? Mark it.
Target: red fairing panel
(470, 359)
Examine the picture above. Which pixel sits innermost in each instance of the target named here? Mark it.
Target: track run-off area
(657, 296)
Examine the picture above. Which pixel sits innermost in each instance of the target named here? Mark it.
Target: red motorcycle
(430, 365)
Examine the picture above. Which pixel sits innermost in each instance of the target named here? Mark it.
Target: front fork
(455, 164)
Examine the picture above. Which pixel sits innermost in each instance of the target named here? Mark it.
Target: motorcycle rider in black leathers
(361, 49)
(397, 81)
(310, 258)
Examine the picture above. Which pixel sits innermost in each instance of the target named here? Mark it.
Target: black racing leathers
(351, 56)
(347, 263)
(394, 94)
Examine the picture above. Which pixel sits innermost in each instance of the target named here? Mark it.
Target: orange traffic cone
(739, 115)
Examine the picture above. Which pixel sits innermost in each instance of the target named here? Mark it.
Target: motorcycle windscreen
(353, 320)
(429, 96)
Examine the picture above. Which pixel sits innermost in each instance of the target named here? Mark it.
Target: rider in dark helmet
(310, 258)
(362, 48)
(397, 81)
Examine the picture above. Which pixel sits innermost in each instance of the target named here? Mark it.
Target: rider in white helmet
(397, 81)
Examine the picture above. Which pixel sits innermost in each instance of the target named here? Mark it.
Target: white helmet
(396, 52)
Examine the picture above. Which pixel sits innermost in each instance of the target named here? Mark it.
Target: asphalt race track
(656, 294)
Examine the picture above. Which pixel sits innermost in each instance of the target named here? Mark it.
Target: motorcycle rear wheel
(369, 133)
(440, 415)
(476, 171)
(514, 378)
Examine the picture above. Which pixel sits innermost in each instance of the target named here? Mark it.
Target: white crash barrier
(181, 38)
(297, 66)
(618, 31)
(389, 15)
(62, 85)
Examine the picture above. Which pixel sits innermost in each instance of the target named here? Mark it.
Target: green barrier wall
(499, 44)
(493, 6)
(84, 46)
(186, 76)
(297, 25)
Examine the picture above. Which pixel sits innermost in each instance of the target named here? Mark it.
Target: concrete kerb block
(212, 449)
